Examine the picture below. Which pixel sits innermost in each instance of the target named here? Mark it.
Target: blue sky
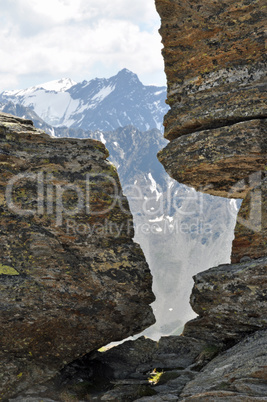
(43, 40)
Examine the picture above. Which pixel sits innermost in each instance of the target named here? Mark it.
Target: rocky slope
(71, 278)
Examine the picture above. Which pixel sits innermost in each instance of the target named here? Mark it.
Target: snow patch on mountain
(61, 85)
(103, 93)
(102, 139)
(153, 187)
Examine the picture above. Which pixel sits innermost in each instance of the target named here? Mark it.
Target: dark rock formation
(129, 371)
(239, 374)
(71, 278)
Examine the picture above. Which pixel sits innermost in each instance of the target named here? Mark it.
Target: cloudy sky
(43, 40)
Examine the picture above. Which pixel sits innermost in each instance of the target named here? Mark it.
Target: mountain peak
(127, 75)
(125, 71)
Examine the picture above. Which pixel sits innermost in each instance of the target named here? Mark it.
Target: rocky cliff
(71, 278)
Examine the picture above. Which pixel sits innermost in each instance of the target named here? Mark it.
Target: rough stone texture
(239, 374)
(214, 53)
(224, 396)
(221, 161)
(251, 228)
(66, 288)
(144, 354)
(230, 301)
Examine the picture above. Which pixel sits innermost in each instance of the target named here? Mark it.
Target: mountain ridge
(101, 103)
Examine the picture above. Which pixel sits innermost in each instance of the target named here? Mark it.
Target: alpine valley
(181, 231)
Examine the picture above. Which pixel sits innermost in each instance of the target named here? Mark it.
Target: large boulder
(214, 55)
(71, 277)
(230, 301)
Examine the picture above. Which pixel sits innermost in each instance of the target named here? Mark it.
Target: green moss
(7, 270)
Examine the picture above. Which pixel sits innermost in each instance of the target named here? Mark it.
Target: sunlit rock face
(71, 277)
(214, 53)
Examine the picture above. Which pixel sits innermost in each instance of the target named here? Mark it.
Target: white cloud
(78, 39)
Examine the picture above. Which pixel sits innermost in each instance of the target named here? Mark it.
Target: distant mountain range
(99, 104)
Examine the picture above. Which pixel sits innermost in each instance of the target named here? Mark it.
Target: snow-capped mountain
(99, 104)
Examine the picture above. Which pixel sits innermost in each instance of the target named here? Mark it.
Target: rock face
(214, 55)
(71, 278)
(221, 161)
(230, 301)
(239, 374)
